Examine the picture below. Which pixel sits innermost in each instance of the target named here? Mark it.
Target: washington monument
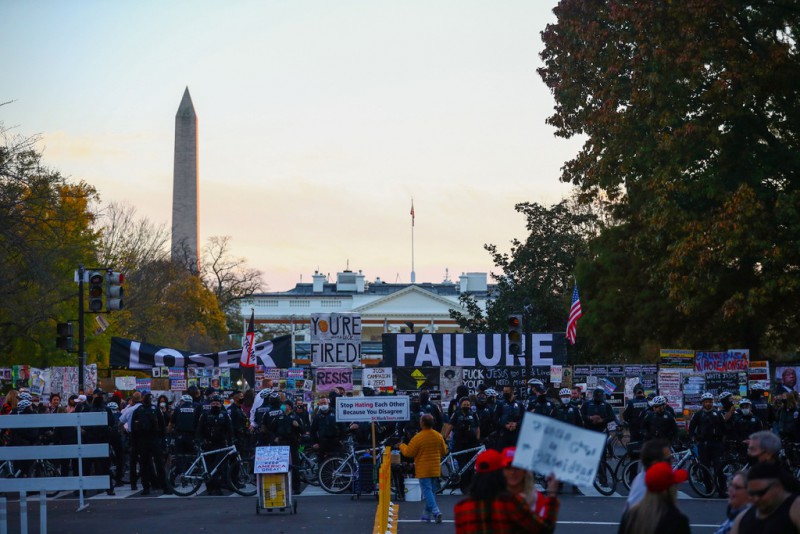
(185, 248)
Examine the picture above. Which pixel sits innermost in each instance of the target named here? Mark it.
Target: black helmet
(638, 387)
(98, 391)
(210, 391)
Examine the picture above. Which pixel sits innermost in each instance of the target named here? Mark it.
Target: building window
(331, 303)
(299, 304)
(266, 303)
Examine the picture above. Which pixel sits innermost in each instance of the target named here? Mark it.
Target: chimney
(319, 282)
(360, 282)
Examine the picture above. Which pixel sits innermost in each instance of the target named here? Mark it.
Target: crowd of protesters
(142, 431)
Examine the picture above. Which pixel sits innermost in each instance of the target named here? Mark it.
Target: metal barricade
(43, 485)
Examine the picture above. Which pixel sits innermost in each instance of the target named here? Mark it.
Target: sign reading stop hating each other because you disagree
(366, 409)
(335, 339)
(546, 445)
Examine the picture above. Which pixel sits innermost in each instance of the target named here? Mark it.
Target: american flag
(412, 213)
(574, 314)
(248, 344)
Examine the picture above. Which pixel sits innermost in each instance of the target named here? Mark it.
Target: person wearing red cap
(520, 482)
(657, 512)
(491, 508)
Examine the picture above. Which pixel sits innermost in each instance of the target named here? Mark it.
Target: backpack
(145, 421)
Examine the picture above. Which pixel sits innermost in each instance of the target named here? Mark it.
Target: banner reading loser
(129, 354)
(471, 350)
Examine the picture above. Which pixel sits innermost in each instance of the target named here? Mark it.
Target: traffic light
(114, 290)
(64, 339)
(515, 334)
(96, 280)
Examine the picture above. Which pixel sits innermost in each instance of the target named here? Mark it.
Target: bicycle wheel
(309, 468)
(43, 468)
(605, 482)
(186, 483)
(336, 475)
(241, 477)
(448, 478)
(629, 472)
(701, 479)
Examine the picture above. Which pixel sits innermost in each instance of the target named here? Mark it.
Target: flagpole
(413, 274)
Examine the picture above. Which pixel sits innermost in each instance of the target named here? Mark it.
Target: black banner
(129, 354)
(471, 350)
(416, 378)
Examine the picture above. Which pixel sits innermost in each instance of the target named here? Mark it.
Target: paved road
(316, 514)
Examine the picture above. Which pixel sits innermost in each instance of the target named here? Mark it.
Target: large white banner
(366, 409)
(546, 445)
(335, 339)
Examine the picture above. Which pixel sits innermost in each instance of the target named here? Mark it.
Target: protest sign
(366, 409)
(178, 385)
(335, 339)
(676, 358)
(125, 383)
(272, 460)
(546, 445)
(329, 378)
(556, 374)
(377, 377)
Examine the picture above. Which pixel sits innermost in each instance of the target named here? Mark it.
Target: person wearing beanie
(657, 512)
(490, 507)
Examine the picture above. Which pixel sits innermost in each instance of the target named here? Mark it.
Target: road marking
(595, 523)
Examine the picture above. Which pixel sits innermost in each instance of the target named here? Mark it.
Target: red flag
(412, 213)
(248, 358)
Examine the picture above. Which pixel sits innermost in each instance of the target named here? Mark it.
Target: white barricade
(78, 451)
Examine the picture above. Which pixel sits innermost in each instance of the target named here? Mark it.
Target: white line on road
(596, 523)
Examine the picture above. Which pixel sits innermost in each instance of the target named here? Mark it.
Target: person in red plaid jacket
(490, 508)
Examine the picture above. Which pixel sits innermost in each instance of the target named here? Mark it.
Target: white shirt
(127, 414)
(638, 489)
(258, 401)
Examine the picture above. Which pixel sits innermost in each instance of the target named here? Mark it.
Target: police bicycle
(239, 473)
(455, 474)
(701, 478)
(337, 473)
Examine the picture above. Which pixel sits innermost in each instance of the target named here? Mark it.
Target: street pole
(81, 337)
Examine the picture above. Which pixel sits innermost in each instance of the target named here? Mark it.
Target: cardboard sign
(556, 374)
(272, 460)
(366, 409)
(546, 445)
(125, 383)
(335, 339)
(178, 385)
(377, 377)
(329, 378)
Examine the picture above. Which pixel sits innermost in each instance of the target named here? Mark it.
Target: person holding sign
(490, 507)
(427, 449)
(520, 482)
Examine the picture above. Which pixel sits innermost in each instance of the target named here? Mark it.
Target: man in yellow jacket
(427, 448)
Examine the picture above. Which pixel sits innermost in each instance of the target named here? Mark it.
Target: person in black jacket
(287, 428)
(634, 412)
(707, 428)
(326, 433)
(215, 431)
(101, 434)
(147, 435)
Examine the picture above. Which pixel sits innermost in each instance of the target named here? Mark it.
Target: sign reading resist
(330, 378)
(546, 445)
(335, 339)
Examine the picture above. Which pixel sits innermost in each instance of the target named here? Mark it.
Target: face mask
(215, 409)
(507, 396)
(324, 408)
(415, 406)
(283, 407)
(239, 401)
(98, 401)
(746, 411)
(565, 400)
(163, 404)
(424, 399)
(466, 410)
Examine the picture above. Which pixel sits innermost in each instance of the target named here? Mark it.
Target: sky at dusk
(318, 122)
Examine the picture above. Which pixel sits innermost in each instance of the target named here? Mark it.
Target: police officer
(270, 412)
(762, 408)
(410, 428)
(465, 427)
(239, 421)
(508, 416)
(597, 413)
(707, 427)
(115, 442)
(215, 431)
(427, 406)
(566, 412)
(147, 434)
(259, 409)
(484, 414)
(728, 411)
(745, 421)
(537, 399)
(658, 423)
(326, 433)
(184, 423)
(285, 430)
(634, 412)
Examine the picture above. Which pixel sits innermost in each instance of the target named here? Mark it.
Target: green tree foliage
(536, 276)
(45, 232)
(690, 116)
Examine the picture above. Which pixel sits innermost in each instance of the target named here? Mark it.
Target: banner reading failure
(471, 350)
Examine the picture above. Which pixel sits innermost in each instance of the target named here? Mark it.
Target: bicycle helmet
(535, 382)
(264, 393)
(724, 395)
(24, 403)
(707, 396)
(747, 401)
(659, 401)
(25, 396)
(216, 398)
(564, 392)
(186, 398)
(491, 393)
(113, 405)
